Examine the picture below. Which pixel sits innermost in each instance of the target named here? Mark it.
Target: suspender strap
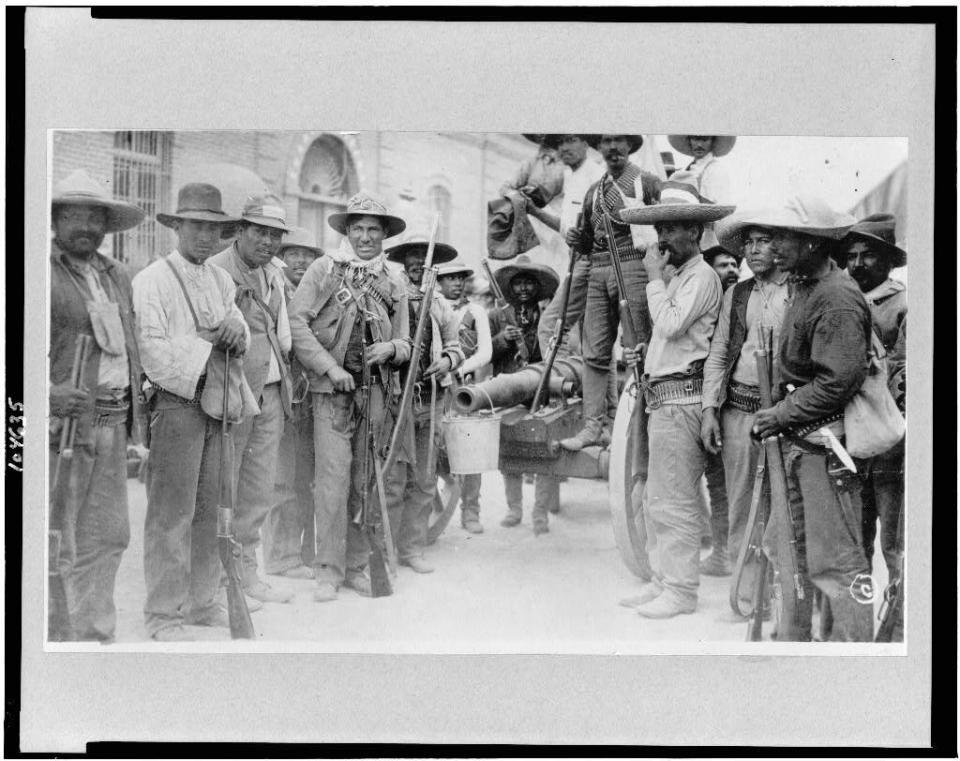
(186, 295)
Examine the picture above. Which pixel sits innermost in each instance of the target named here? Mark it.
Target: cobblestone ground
(502, 591)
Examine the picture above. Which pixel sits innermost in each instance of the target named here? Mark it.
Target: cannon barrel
(509, 389)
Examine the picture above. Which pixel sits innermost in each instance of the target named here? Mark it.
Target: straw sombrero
(266, 211)
(802, 214)
(722, 144)
(880, 231)
(365, 205)
(300, 237)
(679, 202)
(729, 231)
(442, 253)
(456, 268)
(544, 275)
(80, 189)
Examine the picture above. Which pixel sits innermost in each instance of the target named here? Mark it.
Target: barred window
(439, 201)
(141, 175)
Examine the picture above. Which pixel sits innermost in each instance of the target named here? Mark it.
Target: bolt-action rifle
(751, 550)
(788, 562)
(231, 551)
(64, 507)
(631, 337)
(504, 310)
(890, 614)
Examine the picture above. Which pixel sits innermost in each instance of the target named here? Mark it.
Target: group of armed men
(307, 323)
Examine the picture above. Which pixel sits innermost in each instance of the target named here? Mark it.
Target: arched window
(439, 201)
(327, 180)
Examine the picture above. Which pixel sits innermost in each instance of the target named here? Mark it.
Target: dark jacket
(505, 358)
(69, 318)
(824, 348)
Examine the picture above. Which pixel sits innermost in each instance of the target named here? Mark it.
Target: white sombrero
(802, 213)
(80, 189)
(679, 202)
(722, 144)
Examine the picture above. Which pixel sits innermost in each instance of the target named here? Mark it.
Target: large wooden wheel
(444, 506)
(626, 482)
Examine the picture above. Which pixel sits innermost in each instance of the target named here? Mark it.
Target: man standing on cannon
(600, 235)
(524, 284)
(684, 304)
(90, 293)
(413, 484)
(349, 305)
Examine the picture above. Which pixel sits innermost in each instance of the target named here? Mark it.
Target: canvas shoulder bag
(871, 420)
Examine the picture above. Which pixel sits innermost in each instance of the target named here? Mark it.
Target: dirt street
(502, 591)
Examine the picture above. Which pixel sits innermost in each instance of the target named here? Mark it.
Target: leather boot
(717, 563)
(512, 518)
(470, 520)
(594, 409)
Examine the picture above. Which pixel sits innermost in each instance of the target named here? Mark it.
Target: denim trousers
(339, 449)
(411, 487)
(96, 526)
(576, 306)
(546, 493)
(256, 442)
(671, 502)
(602, 316)
(288, 538)
(181, 561)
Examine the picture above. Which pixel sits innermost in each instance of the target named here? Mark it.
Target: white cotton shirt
(576, 183)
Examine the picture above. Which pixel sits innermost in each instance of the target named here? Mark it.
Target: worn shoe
(174, 633)
(297, 572)
(512, 518)
(666, 605)
(418, 564)
(215, 616)
(717, 563)
(252, 605)
(265, 593)
(649, 591)
(606, 436)
(472, 525)
(589, 436)
(358, 582)
(324, 592)
(541, 524)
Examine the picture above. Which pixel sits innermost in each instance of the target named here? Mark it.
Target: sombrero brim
(265, 222)
(465, 271)
(636, 142)
(392, 225)
(729, 231)
(722, 144)
(284, 246)
(898, 257)
(546, 277)
(675, 212)
(167, 220)
(551, 141)
(120, 216)
(442, 253)
(782, 219)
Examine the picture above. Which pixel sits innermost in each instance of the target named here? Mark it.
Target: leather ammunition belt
(111, 410)
(602, 258)
(674, 392)
(743, 397)
(805, 429)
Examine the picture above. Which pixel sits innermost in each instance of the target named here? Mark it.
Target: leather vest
(737, 331)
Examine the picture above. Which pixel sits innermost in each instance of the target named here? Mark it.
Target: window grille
(141, 175)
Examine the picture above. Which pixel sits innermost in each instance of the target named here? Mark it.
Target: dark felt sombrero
(551, 141)
(679, 202)
(442, 253)
(880, 231)
(635, 141)
(365, 205)
(544, 275)
(80, 189)
(200, 202)
(722, 144)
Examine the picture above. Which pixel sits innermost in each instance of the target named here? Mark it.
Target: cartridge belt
(687, 391)
(602, 258)
(742, 397)
(111, 407)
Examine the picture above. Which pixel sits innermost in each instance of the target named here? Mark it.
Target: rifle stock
(788, 561)
(230, 550)
(63, 501)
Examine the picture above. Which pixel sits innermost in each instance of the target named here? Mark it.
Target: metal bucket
(472, 442)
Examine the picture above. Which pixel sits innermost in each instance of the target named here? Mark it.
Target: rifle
(63, 507)
(630, 337)
(756, 525)
(890, 611)
(779, 499)
(557, 338)
(241, 625)
(504, 310)
(380, 584)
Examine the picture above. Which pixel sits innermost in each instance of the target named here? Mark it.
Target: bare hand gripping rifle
(789, 561)
(63, 510)
(231, 551)
(504, 310)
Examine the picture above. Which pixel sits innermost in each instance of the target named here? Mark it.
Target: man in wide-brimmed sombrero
(250, 261)
(185, 307)
(709, 174)
(350, 307)
(90, 293)
(684, 303)
(824, 345)
(623, 185)
(524, 284)
(872, 252)
(413, 483)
